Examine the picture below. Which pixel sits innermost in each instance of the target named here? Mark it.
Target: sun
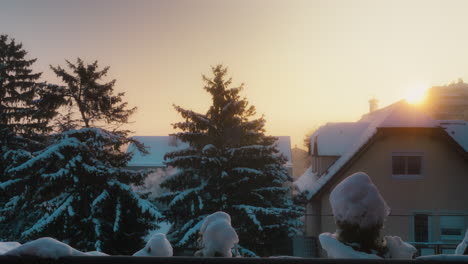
(416, 94)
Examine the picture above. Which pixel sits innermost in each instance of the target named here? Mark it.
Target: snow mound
(96, 253)
(157, 246)
(45, 247)
(335, 249)
(7, 246)
(219, 237)
(462, 248)
(357, 201)
(397, 249)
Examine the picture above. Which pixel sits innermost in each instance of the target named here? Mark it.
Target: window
(421, 228)
(407, 164)
(451, 227)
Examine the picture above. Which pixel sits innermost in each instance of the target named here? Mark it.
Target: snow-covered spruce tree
(77, 188)
(26, 109)
(79, 192)
(230, 166)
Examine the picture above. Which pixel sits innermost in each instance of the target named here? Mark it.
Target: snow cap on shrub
(157, 246)
(357, 201)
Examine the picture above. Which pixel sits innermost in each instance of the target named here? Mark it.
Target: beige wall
(442, 190)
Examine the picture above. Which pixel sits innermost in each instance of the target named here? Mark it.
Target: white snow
(397, 249)
(218, 236)
(335, 249)
(45, 247)
(334, 139)
(306, 180)
(96, 253)
(458, 130)
(463, 246)
(157, 246)
(7, 246)
(356, 200)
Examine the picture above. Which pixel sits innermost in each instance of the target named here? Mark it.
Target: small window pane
(398, 165)
(414, 165)
(451, 232)
(421, 228)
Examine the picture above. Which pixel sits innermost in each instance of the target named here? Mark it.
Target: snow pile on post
(357, 201)
(360, 212)
(157, 246)
(218, 236)
(462, 248)
(45, 247)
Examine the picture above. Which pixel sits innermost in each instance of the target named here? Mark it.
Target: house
(448, 102)
(419, 164)
(158, 146)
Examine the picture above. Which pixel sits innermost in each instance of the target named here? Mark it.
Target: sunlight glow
(416, 94)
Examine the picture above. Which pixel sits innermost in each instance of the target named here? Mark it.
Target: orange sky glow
(304, 63)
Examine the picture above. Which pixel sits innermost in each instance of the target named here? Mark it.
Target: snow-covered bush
(218, 236)
(462, 248)
(45, 247)
(360, 212)
(157, 246)
(7, 246)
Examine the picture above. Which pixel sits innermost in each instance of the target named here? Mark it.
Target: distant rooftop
(158, 146)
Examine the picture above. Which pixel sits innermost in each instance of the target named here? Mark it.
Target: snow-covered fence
(195, 260)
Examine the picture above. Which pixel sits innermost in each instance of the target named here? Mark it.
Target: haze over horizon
(304, 63)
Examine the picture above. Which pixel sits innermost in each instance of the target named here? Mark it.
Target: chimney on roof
(373, 105)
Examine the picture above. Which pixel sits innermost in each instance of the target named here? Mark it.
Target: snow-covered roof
(399, 114)
(158, 146)
(458, 130)
(334, 139)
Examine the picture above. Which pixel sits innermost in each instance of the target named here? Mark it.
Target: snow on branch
(48, 219)
(192, 231)
(103, 196)
(4, 185)
(52, 150)
(144, 205)
(180, 196)
(251, 214)
(247, 170)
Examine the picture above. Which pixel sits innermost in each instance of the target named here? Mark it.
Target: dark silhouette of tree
(230, 166)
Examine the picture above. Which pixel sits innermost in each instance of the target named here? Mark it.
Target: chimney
(373, 105)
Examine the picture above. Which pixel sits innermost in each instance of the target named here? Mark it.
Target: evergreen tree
(78, 192)
(77, 188)
(230, 166)
(94, 101)
(26, 109)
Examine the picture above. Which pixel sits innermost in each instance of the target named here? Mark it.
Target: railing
(434, 248)
(193, 260)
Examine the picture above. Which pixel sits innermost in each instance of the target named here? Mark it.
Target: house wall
(320, 164)
(441, 191)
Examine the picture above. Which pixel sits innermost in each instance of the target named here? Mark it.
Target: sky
(304, 63)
